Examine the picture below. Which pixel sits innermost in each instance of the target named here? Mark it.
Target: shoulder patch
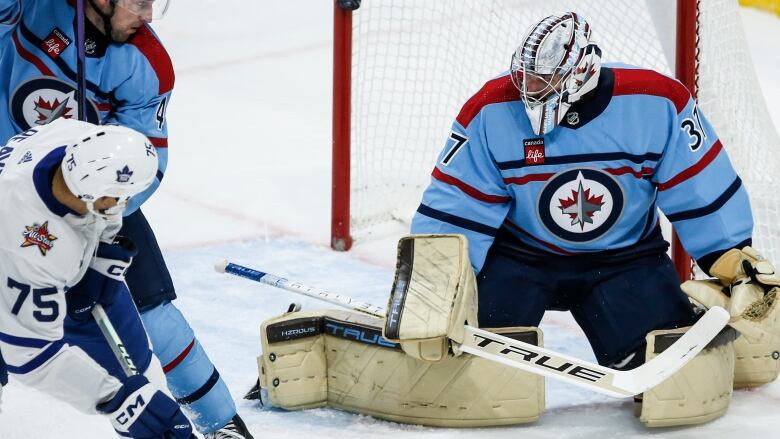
(148, 44)
(493, 92)
(649, 82)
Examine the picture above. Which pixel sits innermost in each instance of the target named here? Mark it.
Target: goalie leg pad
(758, 360)
(697, 393)
(340, 359)
(433, 295)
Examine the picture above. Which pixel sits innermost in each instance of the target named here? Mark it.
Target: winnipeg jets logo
(123, 175)
(38, 235)
(43, 99)
(580, 205)
(48, 111)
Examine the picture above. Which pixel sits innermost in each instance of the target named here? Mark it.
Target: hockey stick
(81, 97)
(531, 358)
(117, 347)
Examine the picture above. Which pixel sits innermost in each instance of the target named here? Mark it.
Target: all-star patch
(38, 235)
(534, 151)
(55, 43)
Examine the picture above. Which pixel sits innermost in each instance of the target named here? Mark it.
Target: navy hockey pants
(615, 304)
(148, 277)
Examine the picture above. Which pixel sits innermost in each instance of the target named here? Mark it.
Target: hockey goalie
(546, 196)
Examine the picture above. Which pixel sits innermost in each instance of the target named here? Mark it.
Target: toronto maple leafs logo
(123, 175)
(38, 235)
(580, 205)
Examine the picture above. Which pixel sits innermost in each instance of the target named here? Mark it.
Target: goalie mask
(109, 161)
(555, 65)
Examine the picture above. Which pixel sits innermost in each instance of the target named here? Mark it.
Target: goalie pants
(192, 378)
(616, 303)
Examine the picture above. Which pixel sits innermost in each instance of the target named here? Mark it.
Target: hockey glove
(747, 287)
(140, 411)
(103, 279)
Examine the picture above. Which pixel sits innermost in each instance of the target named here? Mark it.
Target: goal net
(414, 63)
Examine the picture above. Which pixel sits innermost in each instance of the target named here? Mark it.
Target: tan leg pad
(699, 392)
(339, 359)
(758, 361)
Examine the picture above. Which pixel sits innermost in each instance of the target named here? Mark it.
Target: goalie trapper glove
(103, 279)
(141, 411)
(746, 286)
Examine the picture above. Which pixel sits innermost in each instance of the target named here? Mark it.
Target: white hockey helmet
(109, 161)
(554, 66)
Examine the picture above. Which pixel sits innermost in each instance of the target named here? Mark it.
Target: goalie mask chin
(554, 66)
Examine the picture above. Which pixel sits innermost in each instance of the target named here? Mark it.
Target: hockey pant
(616, 305)
(192, 378)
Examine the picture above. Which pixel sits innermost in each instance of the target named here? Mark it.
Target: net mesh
(415, 63)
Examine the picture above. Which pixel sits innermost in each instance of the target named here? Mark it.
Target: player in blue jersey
(129, 79)
(556, 170)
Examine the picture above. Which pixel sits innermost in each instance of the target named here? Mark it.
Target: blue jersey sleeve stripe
(580, 158)
(693, 170)
(38, 361)
(468, 189)
(457, 221)
(24, 342)
(711, 208)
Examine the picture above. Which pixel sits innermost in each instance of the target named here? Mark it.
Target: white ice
(249, 180)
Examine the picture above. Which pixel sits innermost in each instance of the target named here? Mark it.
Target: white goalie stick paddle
(531, 358)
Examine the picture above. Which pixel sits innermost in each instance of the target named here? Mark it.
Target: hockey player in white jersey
(63, 188)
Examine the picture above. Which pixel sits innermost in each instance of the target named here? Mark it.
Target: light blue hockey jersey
(595, 182)
(128, 84)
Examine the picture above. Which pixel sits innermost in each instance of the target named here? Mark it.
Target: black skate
(235, 429)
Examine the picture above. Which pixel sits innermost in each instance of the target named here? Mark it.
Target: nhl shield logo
(43, 99)
(580, 205)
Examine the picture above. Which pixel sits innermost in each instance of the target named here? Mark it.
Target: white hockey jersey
(45, 248)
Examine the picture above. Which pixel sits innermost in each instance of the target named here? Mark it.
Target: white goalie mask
(109, 161)
(555, 65)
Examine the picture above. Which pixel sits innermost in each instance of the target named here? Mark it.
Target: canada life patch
(55, 43)
(534, 151)
(580, 205)
(38, 235)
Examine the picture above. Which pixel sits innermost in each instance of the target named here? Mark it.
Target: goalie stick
(532, 358)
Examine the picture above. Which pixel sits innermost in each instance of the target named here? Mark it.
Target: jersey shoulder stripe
(495, 91)
(147, 43)
(649, 82)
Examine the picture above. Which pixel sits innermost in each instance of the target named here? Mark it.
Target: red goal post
(403, 68)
